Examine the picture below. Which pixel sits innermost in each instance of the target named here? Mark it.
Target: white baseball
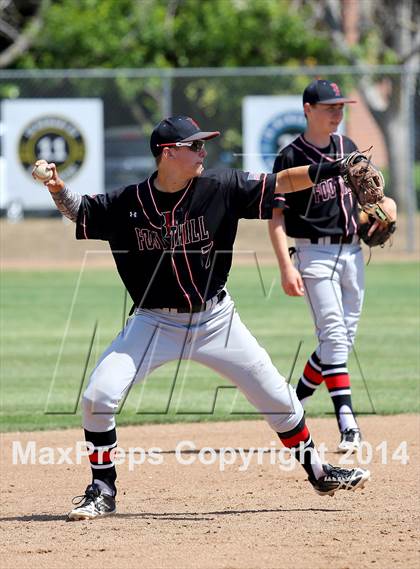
(42, 173)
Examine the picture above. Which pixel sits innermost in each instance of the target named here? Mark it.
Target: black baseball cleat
(339, 479)
(92, 504)
(350, 440)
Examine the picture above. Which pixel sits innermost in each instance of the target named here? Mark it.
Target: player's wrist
(325, 170)
(286, 267)
(59, 186)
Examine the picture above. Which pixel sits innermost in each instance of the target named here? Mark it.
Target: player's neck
(320, 139)
(167, 182)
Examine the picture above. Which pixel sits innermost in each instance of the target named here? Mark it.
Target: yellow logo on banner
(53, 139)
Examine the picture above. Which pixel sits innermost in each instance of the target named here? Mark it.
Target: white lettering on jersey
(191, 231)
(148, 239)
(325, 191)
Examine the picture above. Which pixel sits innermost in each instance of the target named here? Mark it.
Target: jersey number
(205, 251)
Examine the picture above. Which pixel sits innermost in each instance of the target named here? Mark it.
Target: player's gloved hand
(385, 211)
(365, 181)
(374, 231)
(291, 281)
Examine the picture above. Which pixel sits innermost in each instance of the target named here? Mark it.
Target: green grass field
(48, 320)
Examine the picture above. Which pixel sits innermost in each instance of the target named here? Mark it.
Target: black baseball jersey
(175, 249)
(327, 208)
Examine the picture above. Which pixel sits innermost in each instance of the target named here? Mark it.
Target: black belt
(334, 239)
(201, 307)
(194, 308)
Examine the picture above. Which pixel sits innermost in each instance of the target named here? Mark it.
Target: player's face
(190, 160)
(326, 118)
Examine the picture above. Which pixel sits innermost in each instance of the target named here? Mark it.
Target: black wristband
(325, 170)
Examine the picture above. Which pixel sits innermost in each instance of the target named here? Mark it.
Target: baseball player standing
(171, 237)
(329, 269)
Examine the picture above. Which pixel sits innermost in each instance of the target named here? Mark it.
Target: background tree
(174, 34)
(387, 32)
(219, 33)
(20, 25)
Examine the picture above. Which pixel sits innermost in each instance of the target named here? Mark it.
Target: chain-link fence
(134, 100)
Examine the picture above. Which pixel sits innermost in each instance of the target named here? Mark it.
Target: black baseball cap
(177, 129)
(324, 92)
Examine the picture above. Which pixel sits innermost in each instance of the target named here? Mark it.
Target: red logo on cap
(193, 122)
(336, 89)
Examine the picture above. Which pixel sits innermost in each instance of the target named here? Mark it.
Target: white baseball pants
(215, 337)
(333, 277)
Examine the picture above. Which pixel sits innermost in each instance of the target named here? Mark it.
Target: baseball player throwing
(171, 237)
(329, 270)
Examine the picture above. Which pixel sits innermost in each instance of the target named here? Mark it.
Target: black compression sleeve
(325, 170)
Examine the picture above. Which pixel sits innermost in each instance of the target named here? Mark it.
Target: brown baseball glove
(379, 234)
(365, 181)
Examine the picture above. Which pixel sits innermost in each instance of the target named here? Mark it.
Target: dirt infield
(174, 516)
(197, 516)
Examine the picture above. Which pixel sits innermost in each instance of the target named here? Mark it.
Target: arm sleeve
(67, 203)
(96, 217)
(251, 195)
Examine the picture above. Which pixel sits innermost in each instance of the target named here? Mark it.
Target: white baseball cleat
(339, 479)
(92, 504)
(350, 440)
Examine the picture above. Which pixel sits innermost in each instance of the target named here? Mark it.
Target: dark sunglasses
(194, 146)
